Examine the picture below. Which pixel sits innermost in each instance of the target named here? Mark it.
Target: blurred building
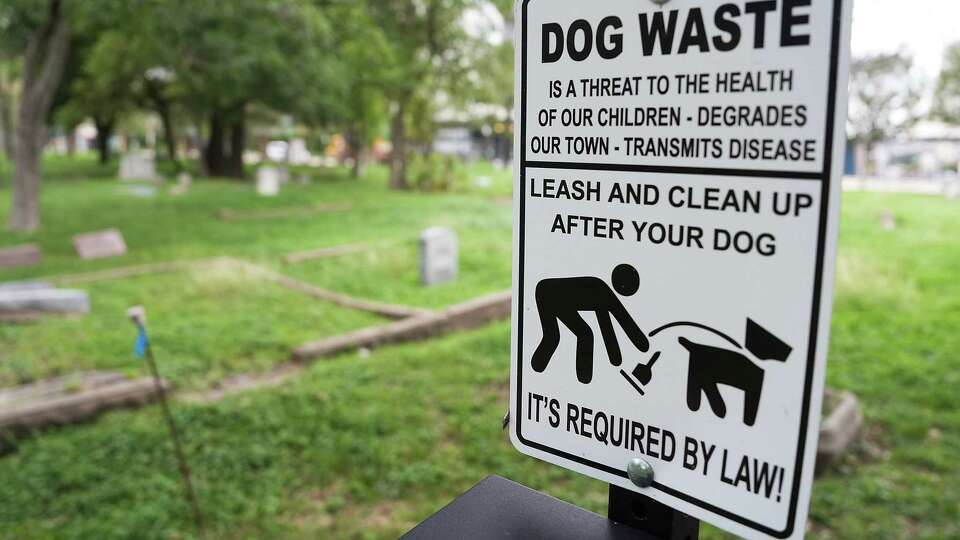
(928, 150)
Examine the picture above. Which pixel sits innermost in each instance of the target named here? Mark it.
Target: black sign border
(824, 176)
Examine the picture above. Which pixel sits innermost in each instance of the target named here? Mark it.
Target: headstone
(138, 166)
(100, 244)
(184, 180)
(483, 182)
(297, 153)
(303, 179)
(438, 256)
(44, 301)
(25, 255)
(268, 181)
(675, 236)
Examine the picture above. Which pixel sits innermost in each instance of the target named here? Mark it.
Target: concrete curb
(470, 314)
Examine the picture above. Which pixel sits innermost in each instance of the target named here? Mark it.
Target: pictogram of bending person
(562, 299)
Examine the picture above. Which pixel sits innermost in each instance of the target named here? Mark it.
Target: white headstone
(268, 181)
(438, 255)
(676, 212)
(297, 153)
(183, 184)
(138, 165)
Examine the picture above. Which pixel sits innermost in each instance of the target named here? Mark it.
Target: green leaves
(946, 105)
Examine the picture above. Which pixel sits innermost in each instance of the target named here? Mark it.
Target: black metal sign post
(649, 516)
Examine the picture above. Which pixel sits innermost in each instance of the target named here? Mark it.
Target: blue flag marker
(140, 349)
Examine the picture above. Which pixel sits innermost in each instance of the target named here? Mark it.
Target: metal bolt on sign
(640, 472)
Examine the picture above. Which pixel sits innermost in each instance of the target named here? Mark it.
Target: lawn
(212, 322)
(366, 446)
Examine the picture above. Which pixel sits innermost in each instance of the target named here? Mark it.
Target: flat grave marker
(16, 256)
(100, 244)
(43, 300)
(675, 225)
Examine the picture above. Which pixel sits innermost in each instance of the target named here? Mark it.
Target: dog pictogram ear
(764, 345)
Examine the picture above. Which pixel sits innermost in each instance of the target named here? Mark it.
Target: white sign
(675, 230)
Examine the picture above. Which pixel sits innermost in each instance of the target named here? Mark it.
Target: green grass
(207, 323)
(169, 228)
(361, 447)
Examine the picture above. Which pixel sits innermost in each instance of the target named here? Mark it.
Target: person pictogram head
(626, 280)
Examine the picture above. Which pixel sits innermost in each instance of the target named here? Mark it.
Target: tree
(947, 96)
(228, 57)
(356, 105)
(99, 85)
(9, 83)
(423, 38)
(884, 97)
(41, 31)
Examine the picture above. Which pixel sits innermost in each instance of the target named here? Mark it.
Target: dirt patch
(227, 214)
(242, 383)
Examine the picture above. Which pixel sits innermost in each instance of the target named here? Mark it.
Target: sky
(923, 27)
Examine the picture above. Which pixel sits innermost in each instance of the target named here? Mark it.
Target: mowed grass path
(366, 447)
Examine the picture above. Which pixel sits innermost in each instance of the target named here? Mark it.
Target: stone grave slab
(24, 286)
(100, 244)
(142, 191)
(438, 256)
(44, 300)
(24, 255)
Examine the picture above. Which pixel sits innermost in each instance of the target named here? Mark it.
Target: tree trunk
(162, 105)
(356, 153)
(213, 153)
(169, 134)
(43, 65)
(871, 165)
(398, 156)
(6, 118)
(104, 132)
(238, 139)
(357, 167)
(71, 137)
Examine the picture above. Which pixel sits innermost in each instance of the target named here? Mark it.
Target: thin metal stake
(139, 320)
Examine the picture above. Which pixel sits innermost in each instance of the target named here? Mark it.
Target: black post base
(649, 516)
(497, 508)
